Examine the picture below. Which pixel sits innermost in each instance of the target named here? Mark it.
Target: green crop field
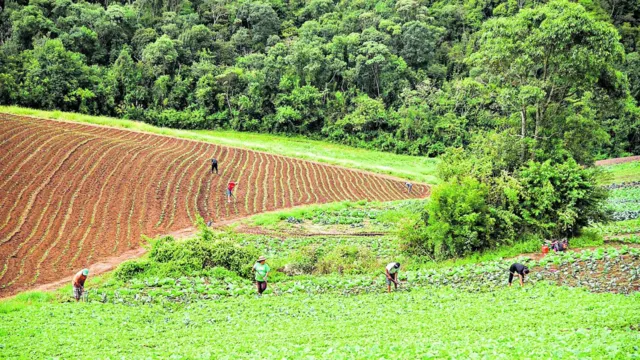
(625, 172)
(426, 323)
(541, 321)
(461, 311)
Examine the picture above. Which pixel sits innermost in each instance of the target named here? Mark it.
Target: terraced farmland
(73, 194)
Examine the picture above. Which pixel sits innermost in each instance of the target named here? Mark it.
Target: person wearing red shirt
(78, 283)
(230, 187)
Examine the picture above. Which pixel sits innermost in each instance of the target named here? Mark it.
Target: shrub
(130, 269)
(347, 259)
(460, 221)
(304, 260)
(194, 255)
(560, 198)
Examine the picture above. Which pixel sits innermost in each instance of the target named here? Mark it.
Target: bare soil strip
(621, 160)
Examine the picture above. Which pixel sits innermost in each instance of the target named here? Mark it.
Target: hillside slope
(73, 194)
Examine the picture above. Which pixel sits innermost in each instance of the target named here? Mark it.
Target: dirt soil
(75, 195)
(617, 160)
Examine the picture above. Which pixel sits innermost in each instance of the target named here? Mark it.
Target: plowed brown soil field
(74, 194)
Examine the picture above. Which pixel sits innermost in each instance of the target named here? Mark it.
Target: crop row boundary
(198, 139)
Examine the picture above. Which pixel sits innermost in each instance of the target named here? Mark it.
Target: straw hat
(262, 258)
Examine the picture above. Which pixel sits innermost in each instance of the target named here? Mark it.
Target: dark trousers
(262, 286)
(214, 167)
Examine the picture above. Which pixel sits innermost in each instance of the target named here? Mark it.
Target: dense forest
(409, 76)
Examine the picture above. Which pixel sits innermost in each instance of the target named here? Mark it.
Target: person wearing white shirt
(391, 271)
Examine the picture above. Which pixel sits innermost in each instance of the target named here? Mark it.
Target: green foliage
(132, 268)
(399, 76)
(356, 311)
(171, 258)
(559, 199)
(175, 258)
(346, 259)
(491, 197)
(304, 260)
(459, 220)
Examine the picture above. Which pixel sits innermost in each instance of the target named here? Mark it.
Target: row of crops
(381, 246)
(599, 270)
(624, 202)
(419, 322)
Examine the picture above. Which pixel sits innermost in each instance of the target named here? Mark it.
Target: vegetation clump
(172, 258)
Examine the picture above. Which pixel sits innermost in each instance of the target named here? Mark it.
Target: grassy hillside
(623, 172)
(415, 168)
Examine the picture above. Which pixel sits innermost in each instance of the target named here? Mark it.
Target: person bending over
(78, 283)
(391, 272)
(518, 270)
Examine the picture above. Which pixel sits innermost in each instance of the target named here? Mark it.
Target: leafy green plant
(346, 259)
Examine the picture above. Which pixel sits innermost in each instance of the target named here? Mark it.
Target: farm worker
(519, 270)
(559, 245)
(230, 187)
(409, 187)
(262, 271)
(392, 275)
(78, 283)
(214, 165)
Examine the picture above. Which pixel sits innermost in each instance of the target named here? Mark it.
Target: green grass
(24, 300)
(623, 172)
(424, 323)
(344, 212)
(271, 219)
(415, 168)
(619, 227)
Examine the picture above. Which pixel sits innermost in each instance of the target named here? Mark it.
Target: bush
(130, 269)
(194, 255)
(346, 259)
(460, 221)
(559, 199)
(304, 260)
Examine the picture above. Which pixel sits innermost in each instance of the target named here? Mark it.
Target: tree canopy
(408, 76)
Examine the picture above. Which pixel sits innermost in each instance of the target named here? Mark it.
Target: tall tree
(545, 64)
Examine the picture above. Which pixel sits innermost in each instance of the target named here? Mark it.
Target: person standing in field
(230, 187)
(78, 283)
(409, 187)
(214, 165)
(262, 271)
(519, 270)
(391, 271)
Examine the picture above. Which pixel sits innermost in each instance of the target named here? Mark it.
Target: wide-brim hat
(262, 258)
